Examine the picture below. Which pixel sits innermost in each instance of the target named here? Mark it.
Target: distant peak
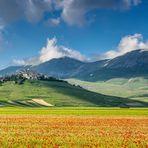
(65, 58)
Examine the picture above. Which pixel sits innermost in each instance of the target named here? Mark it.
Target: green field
(79, 111)
(58, 94)
(134, 88)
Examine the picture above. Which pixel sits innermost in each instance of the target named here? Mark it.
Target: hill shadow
(96, 98)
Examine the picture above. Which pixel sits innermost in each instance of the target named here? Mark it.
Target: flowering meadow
(50, 131)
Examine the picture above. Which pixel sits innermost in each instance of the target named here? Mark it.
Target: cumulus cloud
(127, 44)
(51, 51)
(31, 10)
(34, 9)
(72, 12)
(13, 10)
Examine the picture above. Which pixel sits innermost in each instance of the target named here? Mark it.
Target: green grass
(79, 111)
(134, 88)
(59, 94)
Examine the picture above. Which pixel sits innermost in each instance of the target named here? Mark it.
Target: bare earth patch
(42, 102)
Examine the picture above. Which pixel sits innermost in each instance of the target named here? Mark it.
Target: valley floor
(76, 111)
(73, 127)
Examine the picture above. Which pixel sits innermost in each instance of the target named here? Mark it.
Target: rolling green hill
(133, 88)
(58, 94)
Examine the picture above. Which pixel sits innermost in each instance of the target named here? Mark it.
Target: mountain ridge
(131, 64)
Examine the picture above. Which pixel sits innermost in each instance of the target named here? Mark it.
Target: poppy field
(73, 131)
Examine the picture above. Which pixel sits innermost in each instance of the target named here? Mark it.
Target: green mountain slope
(58, 94)
(133, 88)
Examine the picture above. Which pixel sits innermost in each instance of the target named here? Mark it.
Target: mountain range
(131, 64)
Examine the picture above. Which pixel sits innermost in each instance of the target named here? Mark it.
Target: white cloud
(30, 10)
(73, 12)
(53, 22)
(127, 44)
(34, 9)
(51, 51)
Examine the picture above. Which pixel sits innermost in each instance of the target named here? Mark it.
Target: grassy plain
(133, 88)
(78, 111)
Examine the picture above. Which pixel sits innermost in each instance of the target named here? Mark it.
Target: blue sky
(90, 28)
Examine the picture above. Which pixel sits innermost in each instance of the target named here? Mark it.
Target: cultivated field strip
(39, 131)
